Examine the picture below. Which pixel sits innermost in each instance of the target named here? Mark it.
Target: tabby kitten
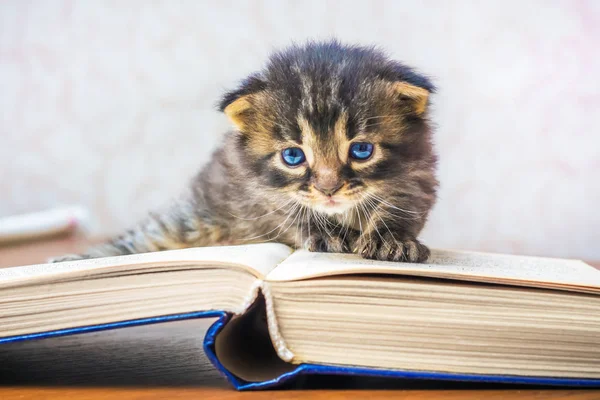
(331, 151)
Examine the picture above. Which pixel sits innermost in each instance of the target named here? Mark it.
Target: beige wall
(111, 104)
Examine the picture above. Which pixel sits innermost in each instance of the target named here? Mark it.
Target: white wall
(111, 104)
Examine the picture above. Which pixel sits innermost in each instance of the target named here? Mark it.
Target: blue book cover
(303, 369)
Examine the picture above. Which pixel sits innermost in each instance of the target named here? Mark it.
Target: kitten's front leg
(392, 241)
(393, 246)
(327, 237)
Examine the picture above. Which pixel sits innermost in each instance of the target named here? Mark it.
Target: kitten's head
(329, 125)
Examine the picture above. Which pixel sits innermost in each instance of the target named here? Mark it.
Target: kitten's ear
(409, 86)
(238, 112)
(416, 96)
(239, 104)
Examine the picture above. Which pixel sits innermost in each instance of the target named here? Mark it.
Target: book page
(258, 259)
(466, 266)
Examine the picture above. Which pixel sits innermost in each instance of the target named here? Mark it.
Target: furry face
(332, 127)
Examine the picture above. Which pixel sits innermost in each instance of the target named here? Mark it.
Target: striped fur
(321, 97)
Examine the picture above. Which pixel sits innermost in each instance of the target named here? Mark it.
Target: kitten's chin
(332, 208)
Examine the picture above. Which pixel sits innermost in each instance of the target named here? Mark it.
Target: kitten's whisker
(347, 225)
(300, 229)
(378, 198)
(288, 212)
(379, 207)
(308, 220)
(283, 231)
(369, 230)
(314, 218)
(296, 213)
(322, 223)
(379, 216)
(304, 217)
(359, 223)
(374, 225)
(383, 201)
(325, 222)
(369, 214)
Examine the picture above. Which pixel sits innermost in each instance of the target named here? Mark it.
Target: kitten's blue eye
(293, 156)
(361, 151)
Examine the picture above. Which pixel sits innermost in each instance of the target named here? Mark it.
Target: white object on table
(44, 223)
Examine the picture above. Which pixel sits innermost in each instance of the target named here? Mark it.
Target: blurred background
(111, 105)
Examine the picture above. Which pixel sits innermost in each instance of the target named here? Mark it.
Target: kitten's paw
(67, 257)
(388, 248)
(327, 244)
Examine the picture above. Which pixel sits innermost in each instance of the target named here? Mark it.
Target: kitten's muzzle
(328, 188)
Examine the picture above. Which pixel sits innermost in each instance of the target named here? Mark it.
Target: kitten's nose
(328, 186)
(327, 180)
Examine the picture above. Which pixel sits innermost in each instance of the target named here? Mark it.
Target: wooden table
(189, 377)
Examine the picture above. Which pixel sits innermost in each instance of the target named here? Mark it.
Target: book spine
(278, 343)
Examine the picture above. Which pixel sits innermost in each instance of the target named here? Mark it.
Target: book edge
(320, 369)
(223, 318)
(33, 273)
(473, 278)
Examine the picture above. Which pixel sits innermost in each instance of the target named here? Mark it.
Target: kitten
(332, 151)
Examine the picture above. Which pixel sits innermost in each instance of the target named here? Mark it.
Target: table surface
(53, 383)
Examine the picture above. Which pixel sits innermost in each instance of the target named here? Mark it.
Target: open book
(460, 316)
